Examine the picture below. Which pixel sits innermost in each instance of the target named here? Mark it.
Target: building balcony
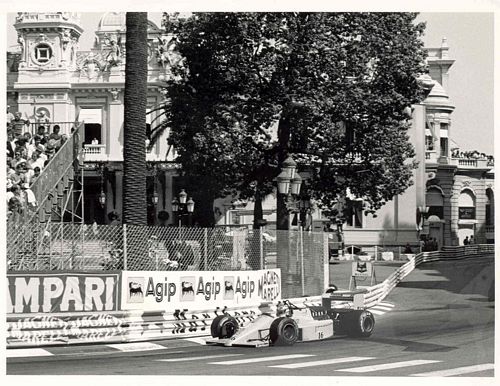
(472, 163)
(36, 17)
(95, 152)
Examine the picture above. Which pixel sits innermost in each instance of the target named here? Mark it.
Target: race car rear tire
(283, 332)
(358, 324)
(224, 326)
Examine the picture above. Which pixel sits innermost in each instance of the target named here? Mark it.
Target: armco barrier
(29, 330)
(378, 292)
(114, 327)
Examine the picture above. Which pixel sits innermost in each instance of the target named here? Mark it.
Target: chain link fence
(71, 246)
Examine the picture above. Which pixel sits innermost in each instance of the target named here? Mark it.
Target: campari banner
(62, 292)
(152, 290)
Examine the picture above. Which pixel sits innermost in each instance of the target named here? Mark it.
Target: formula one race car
(341, 313)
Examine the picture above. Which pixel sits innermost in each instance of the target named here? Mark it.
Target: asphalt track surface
(437, 322)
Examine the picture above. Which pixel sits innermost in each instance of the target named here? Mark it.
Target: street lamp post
(183, 207)
(289, 183)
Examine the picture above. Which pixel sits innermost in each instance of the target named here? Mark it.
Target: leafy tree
(330, 88)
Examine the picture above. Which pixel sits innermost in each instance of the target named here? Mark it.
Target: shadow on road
(476, 279)
(414, 346)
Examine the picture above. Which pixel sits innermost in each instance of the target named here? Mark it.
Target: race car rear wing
(341, 299)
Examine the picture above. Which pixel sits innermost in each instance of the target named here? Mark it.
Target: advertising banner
(152, 290)
(62, 292)
(47, 329)
(362, 268)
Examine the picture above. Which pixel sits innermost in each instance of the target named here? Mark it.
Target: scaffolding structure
(33, 231)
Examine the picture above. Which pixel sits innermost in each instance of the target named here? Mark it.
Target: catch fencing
(71, 246)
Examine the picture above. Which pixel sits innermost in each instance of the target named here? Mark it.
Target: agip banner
(62, 292)
(152, 290)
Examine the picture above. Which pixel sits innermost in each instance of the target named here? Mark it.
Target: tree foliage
(339, 82)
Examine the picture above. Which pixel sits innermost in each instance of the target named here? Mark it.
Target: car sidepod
(314, 324)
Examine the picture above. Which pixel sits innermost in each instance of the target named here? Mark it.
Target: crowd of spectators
(472, 154)
(30, 147)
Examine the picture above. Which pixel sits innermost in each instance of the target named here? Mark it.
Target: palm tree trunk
(134, 149)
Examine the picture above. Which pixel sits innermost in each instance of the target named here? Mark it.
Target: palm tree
(134, 149)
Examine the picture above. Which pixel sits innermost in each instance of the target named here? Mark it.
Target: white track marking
(376, 312)
(26, 352)
(137, 346)
(196, 358)
(385, 304)
(197, 340)
(321, 363)
(457, 371)
(381, 308)
(262, 359)
(387, 366)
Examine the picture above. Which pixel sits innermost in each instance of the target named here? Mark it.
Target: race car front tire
(224, 326)
(358, 324)
(283, 332)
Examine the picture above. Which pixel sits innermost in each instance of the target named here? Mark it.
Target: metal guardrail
(378, 292)
(58, 167)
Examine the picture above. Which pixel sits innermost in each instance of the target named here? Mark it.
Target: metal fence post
(124, 247)
(261, 248)
(302, 270)
(205, 248)
(326, 261)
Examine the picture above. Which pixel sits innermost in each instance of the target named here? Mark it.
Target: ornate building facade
(49, 75)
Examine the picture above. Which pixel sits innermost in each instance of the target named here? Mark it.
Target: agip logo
(135, 290)
(228, 287)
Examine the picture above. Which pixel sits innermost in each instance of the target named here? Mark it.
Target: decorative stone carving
(89, 65)
(114, 94)
(113, 59)
(42, 38)
(20, 40)
(73, 51)
(65, 38)
(168, 56)
(42, 117)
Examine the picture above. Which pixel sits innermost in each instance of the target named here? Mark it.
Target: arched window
(466, 205)
(435, 201)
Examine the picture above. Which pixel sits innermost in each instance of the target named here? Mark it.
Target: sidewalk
(341, 270)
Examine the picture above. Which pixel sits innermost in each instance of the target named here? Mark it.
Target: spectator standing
(10, 116)
(18, 124)
(471, 241)
(56, 133)
(32, 174)
(11, 144)
(466, 240)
